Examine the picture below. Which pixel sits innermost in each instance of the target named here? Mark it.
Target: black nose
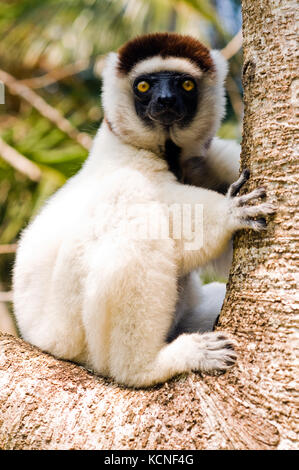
(166, 100)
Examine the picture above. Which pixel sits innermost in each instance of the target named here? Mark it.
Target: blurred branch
(4, 249)
(55, 75)
(18, 88)
(6, 296)
(233, 46)
(6, 321)
(19, 162)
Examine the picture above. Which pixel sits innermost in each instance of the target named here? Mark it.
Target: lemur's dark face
(166, 98)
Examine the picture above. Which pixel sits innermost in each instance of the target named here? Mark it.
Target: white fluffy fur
(84, 290)
(160, 64)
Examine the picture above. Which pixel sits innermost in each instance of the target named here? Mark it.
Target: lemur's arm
(218, 169)
(221, 216)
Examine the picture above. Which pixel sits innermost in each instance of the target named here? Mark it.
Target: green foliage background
(43, 37)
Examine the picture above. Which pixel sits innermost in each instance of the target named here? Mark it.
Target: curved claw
(235, 187)
(256, 225)
(249, 215)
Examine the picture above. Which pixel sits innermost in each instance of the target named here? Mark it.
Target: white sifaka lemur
(86, 287)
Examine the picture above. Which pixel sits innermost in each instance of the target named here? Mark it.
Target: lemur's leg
(198, 306)
(217, 169)
(128, 311)
(223, 158)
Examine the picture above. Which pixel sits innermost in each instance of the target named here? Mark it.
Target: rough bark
(261, 304)
(51, 404)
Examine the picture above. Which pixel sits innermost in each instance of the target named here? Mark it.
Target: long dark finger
(235, 187)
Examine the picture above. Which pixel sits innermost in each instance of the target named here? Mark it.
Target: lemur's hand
(243, 215)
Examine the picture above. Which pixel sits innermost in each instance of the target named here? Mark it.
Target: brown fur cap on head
(164, 45)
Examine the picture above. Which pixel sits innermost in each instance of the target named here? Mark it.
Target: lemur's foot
(212, 352)
(243, 213)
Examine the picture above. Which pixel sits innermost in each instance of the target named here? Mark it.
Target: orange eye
(143, 86)
(188, 85)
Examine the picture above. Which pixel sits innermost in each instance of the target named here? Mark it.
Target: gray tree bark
(46, 403)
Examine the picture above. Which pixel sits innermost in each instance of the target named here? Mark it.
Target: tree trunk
(51, 404)
(260, 307)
